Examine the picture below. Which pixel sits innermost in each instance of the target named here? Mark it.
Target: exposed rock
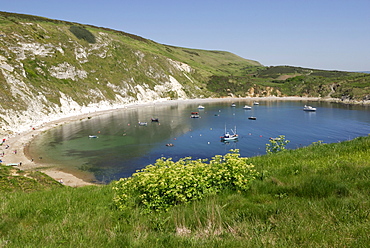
(67, 71)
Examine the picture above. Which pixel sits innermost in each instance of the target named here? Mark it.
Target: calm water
(123, 146)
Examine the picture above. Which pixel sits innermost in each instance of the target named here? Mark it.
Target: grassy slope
(294, 81)
(311, 197)
(119, 65)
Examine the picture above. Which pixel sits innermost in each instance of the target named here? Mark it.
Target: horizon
(316, 34)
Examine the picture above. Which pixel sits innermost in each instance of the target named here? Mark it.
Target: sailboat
(229, 137)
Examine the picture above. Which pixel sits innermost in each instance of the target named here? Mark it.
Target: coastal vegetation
(167, 183)
(315, 196)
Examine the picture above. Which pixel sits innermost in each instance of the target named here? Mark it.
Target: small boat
(256, 103)
(154, 119)
(169, 144)
(143, 123)
(308, 108)
(194, 115)
(229, 137)
(252, 118)
(247, 107)
(93, 136)
(233, 105)
(200, 107)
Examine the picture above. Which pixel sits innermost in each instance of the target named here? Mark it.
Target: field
(316, 196)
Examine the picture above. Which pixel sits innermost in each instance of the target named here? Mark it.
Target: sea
(114, 145)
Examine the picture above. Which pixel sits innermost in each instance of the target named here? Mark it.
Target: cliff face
(51, 69)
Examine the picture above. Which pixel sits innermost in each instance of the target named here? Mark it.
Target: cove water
(123, 146)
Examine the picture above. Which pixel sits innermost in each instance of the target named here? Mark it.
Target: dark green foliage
(228, 84)
(276, 71)
(82, 33)
(191, 52)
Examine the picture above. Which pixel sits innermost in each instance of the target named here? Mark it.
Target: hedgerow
(167, 183)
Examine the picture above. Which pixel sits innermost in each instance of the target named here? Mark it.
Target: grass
(317, 196)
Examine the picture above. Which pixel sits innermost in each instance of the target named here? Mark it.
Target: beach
(15, 152)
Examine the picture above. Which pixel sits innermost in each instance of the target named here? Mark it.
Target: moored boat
(247, 107)
(229, 137)
(233, 105)
(155, 119)
(308, 108)
(252, 118)
(256, 103)
(194, 115)
(143, 123)
(200, 107)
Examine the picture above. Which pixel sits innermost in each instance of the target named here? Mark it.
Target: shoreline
(17, 155)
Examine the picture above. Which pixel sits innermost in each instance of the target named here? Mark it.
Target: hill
(340, 86)
(51, 69)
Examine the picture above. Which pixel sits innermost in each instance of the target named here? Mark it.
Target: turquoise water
(123, 146)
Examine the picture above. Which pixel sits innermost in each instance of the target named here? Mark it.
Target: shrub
(82, 33)
(276, 144)
(167, 183)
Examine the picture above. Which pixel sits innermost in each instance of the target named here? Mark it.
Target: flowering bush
(167, 183)
(276, 144)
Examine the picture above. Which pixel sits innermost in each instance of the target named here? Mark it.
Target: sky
(319, 34)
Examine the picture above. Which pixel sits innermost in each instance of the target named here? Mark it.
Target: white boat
(247, 107)
(200, 107)
(143, 123)
(308, 108)
(229, 137)
(256, 103)
(233, 105)
(93, 136)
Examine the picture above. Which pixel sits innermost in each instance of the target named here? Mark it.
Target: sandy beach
(14, 148)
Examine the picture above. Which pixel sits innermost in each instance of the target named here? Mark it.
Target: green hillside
(51, 68)
(294, 81)
(316, 196)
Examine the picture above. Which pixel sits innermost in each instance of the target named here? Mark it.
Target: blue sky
(321, 34)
